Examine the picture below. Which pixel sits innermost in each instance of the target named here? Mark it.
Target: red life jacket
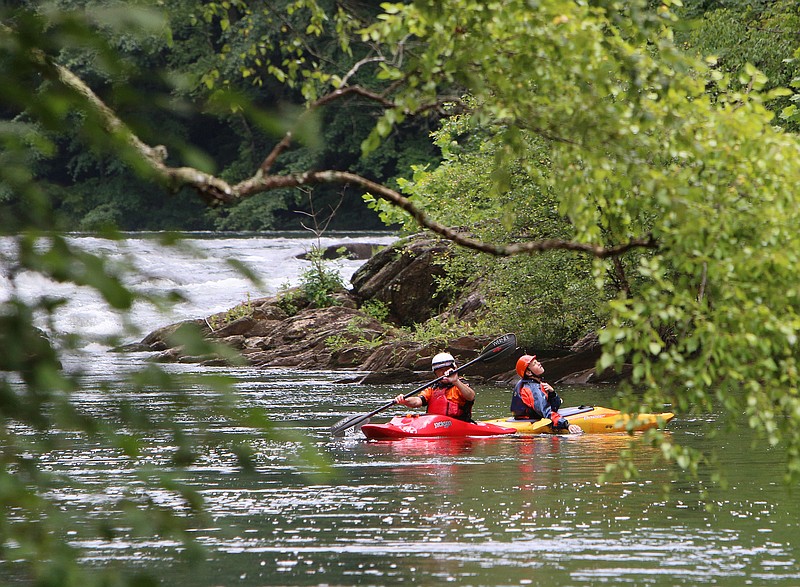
(440, 404)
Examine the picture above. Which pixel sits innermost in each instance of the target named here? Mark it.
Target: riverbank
(367, 328)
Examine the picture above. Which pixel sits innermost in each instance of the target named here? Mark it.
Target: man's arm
(410, 402)
(466, 391)
(415, 401)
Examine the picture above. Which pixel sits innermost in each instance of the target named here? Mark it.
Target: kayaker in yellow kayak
(534, 398)
(450, 396)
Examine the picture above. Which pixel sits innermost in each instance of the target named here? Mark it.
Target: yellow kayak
(591, 419)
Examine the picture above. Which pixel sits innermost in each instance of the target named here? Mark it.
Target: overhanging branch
(214, 190)
(256, 185)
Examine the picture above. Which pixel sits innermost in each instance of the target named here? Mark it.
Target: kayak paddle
(566, 413)
(497, 347)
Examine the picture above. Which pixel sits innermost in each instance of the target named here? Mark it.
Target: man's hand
(575, 429)
(450, 376)
(409, 402)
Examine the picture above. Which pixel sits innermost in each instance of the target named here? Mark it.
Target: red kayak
(431, 426)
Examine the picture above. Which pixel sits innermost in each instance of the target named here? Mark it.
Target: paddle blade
(541, 425)
(358, 426)
(339, 428)
(342, 425)
(499, 347)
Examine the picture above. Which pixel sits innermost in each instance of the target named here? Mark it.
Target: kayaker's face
(535, 368)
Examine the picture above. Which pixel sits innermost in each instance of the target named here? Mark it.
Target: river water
(493, 511)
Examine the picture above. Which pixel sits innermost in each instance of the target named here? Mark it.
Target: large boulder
(404, 278)
(354, 251)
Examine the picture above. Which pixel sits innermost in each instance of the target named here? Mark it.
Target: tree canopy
(610, 169)
(643, 145)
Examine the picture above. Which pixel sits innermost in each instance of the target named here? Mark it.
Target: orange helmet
(522, 364)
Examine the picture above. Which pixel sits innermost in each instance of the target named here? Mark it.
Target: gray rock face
(403, 277)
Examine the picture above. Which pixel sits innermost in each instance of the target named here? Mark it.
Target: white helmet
(442, 360)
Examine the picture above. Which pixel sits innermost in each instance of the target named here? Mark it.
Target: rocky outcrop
(337, 337)
(401, 279)
(356, 251)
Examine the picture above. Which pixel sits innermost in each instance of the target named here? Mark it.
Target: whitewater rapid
(198, 270)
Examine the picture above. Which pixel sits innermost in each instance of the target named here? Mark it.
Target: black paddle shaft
(498, 347)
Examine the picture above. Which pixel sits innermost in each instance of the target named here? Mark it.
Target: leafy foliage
(579, 123)
(319, 281)
(763, 34)
(36, 406)
(240, 310)
(552, 299)
(215, 85)
(638, 139)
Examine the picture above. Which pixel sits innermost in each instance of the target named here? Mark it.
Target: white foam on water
(198, 269)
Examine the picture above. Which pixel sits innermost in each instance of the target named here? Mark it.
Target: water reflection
(477, 511)
(489, 511)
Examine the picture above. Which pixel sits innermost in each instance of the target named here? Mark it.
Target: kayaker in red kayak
(449, 397)
(534, 398)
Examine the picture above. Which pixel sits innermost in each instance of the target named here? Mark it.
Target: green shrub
(321, 280)
(377, 309)
(241, 310)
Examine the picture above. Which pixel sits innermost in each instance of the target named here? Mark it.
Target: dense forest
(177, 81)
(623, 168)
(172, 81)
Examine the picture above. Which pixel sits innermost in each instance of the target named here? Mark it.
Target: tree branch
(214, 190)
(701, 293)
(113, 125)
(357, 66)
(256, 185)
(778, 31)
(359, 90)
(275, 153)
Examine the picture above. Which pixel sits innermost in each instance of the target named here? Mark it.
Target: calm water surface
(494, 511)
